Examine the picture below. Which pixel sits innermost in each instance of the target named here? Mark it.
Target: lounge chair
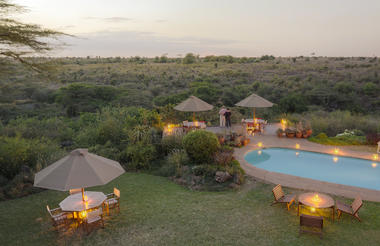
(74, 191)
(280, 197)
(58, 217)
(113, 200)
(94, 216)
(312, 222)
(352, 210)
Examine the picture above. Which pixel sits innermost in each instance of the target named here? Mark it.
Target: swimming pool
(334, 169)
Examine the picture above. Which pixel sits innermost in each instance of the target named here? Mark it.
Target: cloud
(113, 19)
(131, 43)
(160, 20)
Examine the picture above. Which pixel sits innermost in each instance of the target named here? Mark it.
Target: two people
(225, 117)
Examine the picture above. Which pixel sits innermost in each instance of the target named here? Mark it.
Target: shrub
(177, 158)
(138, 156)
(18, 152)
(201, 145)
(171, 142)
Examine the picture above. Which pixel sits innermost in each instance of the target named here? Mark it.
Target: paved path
(269, 139)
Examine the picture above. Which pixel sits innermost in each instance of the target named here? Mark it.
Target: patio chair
(74, 191)
(58, 218)
(314, 223)
(93, 217)
(280, 197)
(113, 201)
(352, 210)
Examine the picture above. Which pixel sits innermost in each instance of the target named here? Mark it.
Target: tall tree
(19, 40)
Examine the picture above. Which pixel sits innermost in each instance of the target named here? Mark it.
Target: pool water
(335, 169)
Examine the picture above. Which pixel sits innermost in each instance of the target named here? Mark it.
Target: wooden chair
(311, 222)
(93, 217)
(352, 210)
(113, 200)
(280, 197)
(58, 218)
(74, 191)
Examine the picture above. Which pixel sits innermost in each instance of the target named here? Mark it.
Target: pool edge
(303, 183)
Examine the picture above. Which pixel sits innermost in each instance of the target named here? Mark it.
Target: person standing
(227, 114)
(222, 118)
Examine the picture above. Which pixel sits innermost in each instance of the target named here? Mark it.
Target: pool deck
(269, 139)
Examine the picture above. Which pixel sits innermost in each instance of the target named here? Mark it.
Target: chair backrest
(277, 192)
(94, 213)
(48, 209)
(116, 192)
(311, 221)
(74, 191)
(356, 204)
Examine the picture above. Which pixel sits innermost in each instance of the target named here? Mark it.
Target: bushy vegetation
(201, 145)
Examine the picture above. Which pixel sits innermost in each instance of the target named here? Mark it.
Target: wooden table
(75, 204)
(322, 201)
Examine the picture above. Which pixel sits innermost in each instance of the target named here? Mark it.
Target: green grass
(155, 211)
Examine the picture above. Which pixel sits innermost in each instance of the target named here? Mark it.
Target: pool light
(374, 165)
(336, 151)
(297, 146)
(335, 159)
(375, 157)
(297, 153)
(260, 144)
(259, 152)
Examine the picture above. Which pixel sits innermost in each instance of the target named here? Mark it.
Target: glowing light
(335, 159)
(336, 151)
(86, 198)
(312, 209)
(83, 214)
(196, 123)
(374, 165)
(297, 146)
(297, 153)
(316, 199)
(259, 152)
(260, 144)
(375, 157)
(283, 124)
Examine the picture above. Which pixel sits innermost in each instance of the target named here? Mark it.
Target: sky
(211, 27)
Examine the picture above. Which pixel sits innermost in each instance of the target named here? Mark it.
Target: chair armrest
(111, 195)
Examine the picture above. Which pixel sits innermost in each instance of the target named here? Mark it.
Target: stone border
(303, 183)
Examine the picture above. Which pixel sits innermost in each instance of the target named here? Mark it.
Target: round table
(74, 203)
(316, 200)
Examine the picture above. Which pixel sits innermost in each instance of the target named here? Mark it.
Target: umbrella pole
(254, 113)
(193, 116)
(83, 194)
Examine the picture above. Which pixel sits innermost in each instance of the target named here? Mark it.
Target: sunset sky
(211, 27)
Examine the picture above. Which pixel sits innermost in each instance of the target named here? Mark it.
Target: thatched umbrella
(254, 101)
(79, 169)
(193, 104)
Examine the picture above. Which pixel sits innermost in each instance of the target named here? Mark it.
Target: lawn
(155, 211)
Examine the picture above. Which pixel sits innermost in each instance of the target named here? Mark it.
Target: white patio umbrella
(79, 169)
(254, 101)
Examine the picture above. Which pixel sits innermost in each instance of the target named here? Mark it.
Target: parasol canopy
(193, 104)
(79, 169)
(254, 101)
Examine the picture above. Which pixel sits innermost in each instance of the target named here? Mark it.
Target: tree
(19, 40)
(189, 59)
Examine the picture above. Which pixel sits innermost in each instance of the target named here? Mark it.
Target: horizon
(241, 28)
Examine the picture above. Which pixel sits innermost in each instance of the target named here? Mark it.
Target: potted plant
(246, 141)
(299, 129)
(280, 132)
(290, 133)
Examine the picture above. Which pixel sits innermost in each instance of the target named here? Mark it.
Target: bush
(201, 145)
(177, 158)
(138, 156)
(18, 152)
(170, 143)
